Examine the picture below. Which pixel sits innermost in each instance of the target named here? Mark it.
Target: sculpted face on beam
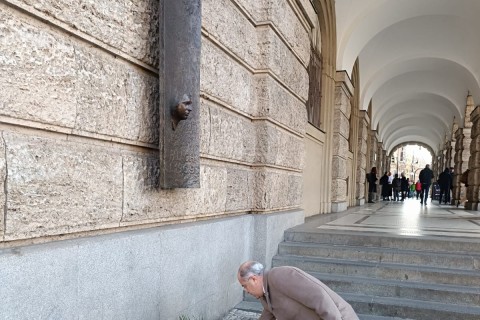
(181, 111)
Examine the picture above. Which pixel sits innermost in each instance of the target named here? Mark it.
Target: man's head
(250, 277)
(427, 166)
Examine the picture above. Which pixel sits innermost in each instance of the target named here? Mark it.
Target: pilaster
(462, 151)
(341, 134)
(363, 128)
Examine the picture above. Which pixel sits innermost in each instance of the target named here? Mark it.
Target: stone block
(340, 144)
(252, 8)
(474, 160)
(71, 85)
(342, 100)
(38, 71)
(361, 174)
(363, 131)
(226, 79)
(222, 189)
(363, 147)
(56, 187)
(226, 134)
(240, 184)
(129, 26)
(339, 190)
(339, 167)
(275, 102)
(142, 198)
(275, 189)
(339, 206)
(278, 58)
(232, 29)
(341, 124)
(3, 175)
(475, 144)
(115, 98)
(278, 147)
(282, 15)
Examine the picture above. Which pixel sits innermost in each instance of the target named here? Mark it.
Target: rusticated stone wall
(473, 190)
(79, 115)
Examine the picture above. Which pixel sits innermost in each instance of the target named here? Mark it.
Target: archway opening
(409, 159)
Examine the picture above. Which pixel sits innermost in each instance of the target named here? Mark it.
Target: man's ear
(256, 279)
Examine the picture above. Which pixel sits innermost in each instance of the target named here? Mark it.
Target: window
(314, 89)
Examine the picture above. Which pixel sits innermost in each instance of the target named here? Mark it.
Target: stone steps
(451, 294)
(410, 308)
(385, 276)
(385, 240)
(389, 271)
(468, 261)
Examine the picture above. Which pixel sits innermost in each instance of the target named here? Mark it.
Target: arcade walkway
(398, 219)
(407, 218)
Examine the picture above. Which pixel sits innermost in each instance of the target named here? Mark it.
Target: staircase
(387, 276)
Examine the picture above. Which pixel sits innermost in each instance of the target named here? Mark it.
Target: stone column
(459, 137)
(363, 127)
(473, 190)
(462, 151)
(448, 152)
(441, 161)
(341, 133)
(452, 142)
(380, 158)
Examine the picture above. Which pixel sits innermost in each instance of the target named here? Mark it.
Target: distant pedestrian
(426, 176)
(372, 184)
(403, 186)
(418, 188)
(397, 187)
(445, 182)
(385, 188)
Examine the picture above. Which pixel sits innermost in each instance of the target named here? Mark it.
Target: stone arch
(403, 144)
(327, 29)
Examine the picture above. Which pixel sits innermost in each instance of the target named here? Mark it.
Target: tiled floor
(407, 218)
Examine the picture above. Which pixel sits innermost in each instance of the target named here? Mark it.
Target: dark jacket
(426, 176)
(384, 180)
(445, 179)
(404, 184)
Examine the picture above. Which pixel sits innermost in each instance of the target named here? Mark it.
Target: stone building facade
(86, 231)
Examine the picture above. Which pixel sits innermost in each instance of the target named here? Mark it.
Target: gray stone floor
(241, 315)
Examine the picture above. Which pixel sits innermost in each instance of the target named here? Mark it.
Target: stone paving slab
(241, 315)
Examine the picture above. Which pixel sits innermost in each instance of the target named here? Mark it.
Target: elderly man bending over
(288, 293)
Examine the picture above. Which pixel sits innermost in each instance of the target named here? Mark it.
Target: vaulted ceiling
(418, 59)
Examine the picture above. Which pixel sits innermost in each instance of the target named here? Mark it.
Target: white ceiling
(418, 59)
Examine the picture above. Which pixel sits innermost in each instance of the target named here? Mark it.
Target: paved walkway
(404, 218)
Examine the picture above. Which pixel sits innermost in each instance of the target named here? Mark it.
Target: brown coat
(292, 294)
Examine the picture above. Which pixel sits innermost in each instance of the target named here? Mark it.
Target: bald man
(288, 293)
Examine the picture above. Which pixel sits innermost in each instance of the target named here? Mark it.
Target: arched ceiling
(418, 60)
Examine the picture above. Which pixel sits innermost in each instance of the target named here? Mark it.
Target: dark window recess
(315, 88)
